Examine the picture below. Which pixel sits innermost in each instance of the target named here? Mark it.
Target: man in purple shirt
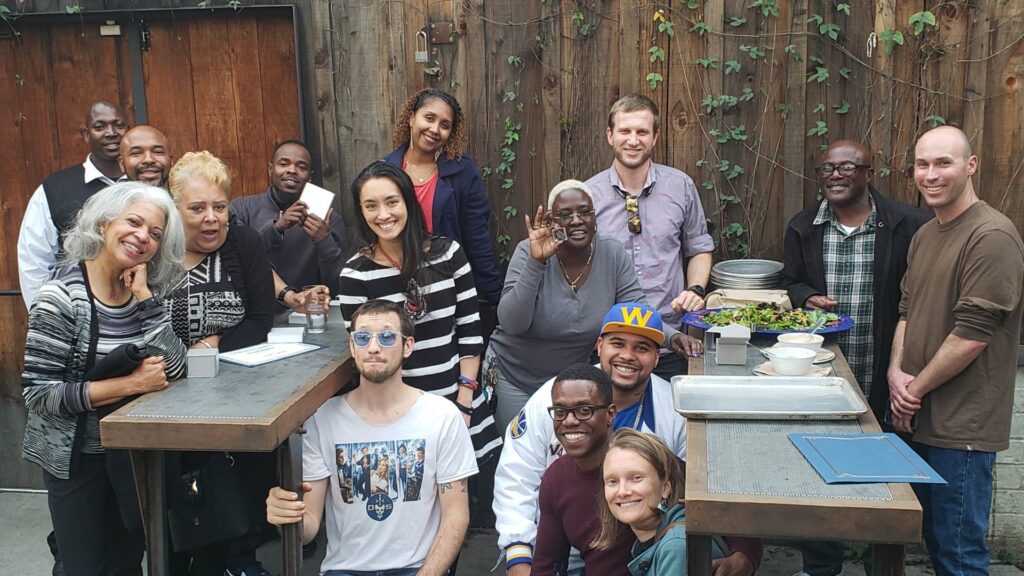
(654, 210)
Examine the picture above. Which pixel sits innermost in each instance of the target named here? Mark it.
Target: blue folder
(864, 458)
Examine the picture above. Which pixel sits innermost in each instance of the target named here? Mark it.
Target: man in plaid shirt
(848, 255)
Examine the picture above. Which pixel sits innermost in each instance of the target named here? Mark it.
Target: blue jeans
(956, 514)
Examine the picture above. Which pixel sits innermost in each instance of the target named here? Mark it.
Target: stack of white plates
(747, 274)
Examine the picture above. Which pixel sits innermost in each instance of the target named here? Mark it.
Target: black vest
(66, 191)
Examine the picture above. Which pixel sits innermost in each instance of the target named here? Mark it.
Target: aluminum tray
(767, 398)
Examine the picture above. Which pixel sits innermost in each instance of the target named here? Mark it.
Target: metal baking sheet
(767, 398)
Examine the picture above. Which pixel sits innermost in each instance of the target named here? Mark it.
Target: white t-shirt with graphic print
(382, 507)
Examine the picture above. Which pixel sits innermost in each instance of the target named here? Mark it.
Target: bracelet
(467, 410)
(468, 382)
(204, 343)
(698, 290)
(284, 291)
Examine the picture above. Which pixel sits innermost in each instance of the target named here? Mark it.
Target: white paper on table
(266, 353)
(317, 199)
(283, 334)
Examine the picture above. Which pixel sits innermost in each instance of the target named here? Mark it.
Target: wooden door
(226, 83)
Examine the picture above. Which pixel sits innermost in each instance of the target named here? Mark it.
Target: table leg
(889, 559)
(289, 461)
(698, 555)
(149, 480)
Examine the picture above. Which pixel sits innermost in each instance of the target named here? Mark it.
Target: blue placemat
(859, 458)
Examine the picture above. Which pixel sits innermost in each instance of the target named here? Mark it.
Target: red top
(425, 196)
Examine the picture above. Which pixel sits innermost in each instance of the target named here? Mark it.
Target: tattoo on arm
(463, 486)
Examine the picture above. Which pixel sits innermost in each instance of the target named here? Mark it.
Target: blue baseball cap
(634, 318)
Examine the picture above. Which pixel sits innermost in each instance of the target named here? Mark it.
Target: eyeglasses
(633, 214)
(846, 169)
(565, 216)
(581, 413)
(385, 339)
(415, 301)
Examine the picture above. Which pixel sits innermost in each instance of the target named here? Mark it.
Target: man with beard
(304, 249)
(628, 352)
(146, 156)
(383, 409)
(848, 254)
(655, 212)
(52, 209)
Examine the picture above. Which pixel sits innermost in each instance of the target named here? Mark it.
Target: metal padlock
(421, 56)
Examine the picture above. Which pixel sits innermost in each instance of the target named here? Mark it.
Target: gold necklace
(418, 166)
(573, 283)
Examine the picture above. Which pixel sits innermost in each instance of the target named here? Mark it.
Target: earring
(663, 506)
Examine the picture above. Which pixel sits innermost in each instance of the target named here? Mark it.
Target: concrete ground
(25, 522)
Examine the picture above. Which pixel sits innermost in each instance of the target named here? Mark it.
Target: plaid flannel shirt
(849, 279)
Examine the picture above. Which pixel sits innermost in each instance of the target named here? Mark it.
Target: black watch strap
(284, 291)
(698, 290)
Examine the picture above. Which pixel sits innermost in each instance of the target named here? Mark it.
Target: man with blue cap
(627, 348)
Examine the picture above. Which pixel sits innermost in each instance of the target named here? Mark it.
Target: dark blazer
(462, 212)
(803, 275)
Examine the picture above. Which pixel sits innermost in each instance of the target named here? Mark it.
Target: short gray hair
(565, 185)
(84, 240)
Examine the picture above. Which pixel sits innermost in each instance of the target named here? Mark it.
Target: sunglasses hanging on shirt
(633, 214)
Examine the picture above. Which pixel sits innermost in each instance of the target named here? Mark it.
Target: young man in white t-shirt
(415, 527)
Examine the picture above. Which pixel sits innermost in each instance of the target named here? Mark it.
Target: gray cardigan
(61, 329)
(543, 326)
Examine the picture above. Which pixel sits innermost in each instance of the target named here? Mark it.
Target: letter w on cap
(635, 316)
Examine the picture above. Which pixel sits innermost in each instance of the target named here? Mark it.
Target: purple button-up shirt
(672, 229)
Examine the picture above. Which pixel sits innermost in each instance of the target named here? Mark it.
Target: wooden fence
(750, 92)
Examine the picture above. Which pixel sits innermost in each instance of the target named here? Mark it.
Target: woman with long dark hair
(398, 260)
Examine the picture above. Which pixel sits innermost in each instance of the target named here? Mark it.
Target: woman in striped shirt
(399, 261)
(121, 256)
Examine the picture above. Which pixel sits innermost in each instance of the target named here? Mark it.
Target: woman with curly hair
(430, 141)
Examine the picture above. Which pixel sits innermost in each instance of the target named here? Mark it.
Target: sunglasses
(565, 216)
(633, 213)
(846, 169)
(582, 413)
(385, 339)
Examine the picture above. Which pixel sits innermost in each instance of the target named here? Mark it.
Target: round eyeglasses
(385, 339)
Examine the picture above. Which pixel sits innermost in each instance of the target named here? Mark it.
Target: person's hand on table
(519, 570)
(819, 302)
(297, 300)
(686, 345)
(149, 376)
(687, 301)
(284, 507)
(735, 564)
(543, 243)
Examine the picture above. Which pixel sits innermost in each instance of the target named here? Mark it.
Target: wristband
(469, 383)
(698, 290)
(467, 410)
(284, 291)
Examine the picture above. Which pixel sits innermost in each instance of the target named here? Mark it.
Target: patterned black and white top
(448, 332)
(62, 324)
(205, 301)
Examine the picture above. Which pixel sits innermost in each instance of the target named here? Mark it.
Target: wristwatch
(284, 291)
(698, 290)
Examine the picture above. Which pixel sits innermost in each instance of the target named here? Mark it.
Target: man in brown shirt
(953, 365)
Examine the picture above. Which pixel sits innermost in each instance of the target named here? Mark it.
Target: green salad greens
(769, 317)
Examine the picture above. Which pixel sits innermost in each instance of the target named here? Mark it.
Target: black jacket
(245, 259)
(803, 274)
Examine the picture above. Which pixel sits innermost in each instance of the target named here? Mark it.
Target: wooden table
(258, 409)
(889, 522)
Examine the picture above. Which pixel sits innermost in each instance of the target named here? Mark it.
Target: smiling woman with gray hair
(123, 253)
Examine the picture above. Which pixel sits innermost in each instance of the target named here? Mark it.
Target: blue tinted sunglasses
(385, 339)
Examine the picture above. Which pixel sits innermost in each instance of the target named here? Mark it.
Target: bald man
(145, 156)
(953, 366)
(848, 254)
(55, 203)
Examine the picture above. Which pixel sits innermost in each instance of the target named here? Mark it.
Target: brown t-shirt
(965, 277)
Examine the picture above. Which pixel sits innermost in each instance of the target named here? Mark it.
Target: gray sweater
(543, 326)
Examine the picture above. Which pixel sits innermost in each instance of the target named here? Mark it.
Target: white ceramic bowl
(802, 340)
(791, 361)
